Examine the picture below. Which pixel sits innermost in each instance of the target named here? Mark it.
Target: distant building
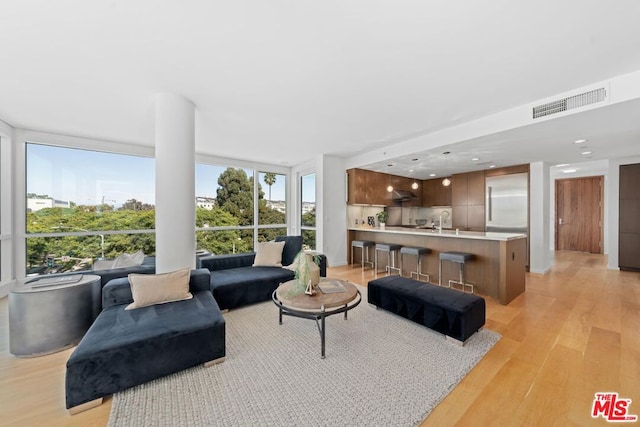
(204, 202)
(277, 205)
(308, 207)
(35, 204)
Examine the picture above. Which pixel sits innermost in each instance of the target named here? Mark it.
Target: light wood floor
(574, 332)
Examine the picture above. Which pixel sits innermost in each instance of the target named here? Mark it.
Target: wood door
(579, 214)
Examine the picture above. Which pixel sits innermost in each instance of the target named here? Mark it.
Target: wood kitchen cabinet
(475, 189)
(629, 220)
(367, 188)
(435, 194)
(468, 200)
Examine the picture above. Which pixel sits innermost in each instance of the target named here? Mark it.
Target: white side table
(52, 313)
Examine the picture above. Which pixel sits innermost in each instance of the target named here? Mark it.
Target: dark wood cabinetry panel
(366, 187)
(459, 217)
(356, 185)
(507, 170)
(475, 188)
(435, 194)
(377, 193)
(475, 218)
(459, 189)
(467, 198)
(629, 219)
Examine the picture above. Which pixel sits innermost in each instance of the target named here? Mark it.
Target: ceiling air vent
(570, 103)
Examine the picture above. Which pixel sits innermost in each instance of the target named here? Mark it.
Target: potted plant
(306, 267)
(382, 218)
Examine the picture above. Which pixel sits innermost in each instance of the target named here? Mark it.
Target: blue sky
(86, 177)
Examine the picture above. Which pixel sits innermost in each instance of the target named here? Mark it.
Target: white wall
(331, 207)
(6, 213)
(613, 188)
(540, 254)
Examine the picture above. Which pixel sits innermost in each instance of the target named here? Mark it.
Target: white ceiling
(283, 81)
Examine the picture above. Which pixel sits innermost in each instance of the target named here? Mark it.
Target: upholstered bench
(450, 312)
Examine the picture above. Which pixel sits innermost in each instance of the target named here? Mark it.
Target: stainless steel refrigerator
(507, 203)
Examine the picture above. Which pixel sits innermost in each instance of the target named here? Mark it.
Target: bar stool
(459, 258)
(391, 249)
(364, 245)
(418, 252)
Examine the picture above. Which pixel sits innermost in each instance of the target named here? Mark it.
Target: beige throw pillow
(150, 289)
(269, 254)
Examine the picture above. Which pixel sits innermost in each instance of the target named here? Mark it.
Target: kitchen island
(498, 270)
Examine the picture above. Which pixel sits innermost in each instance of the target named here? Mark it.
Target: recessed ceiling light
(432, 174)
(410, 170)
(561, 165)
(579, 141)
(568, 170)
(492, 166)
(475, 159)
(584, 153)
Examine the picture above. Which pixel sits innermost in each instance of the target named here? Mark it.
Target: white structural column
(175, 183)
(540, 255)
(331, 209)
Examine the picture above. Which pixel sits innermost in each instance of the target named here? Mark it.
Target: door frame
(555, 213)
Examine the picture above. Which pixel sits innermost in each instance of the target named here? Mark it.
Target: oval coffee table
(316, 307)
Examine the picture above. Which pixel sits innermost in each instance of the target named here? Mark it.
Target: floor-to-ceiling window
(235, 207)
(308, 210)
(83, 206)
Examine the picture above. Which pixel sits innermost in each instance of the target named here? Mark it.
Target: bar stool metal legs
(391, 249)
(418, 252)
(459, 258)
(365, 256)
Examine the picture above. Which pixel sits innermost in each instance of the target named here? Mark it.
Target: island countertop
(500, 237)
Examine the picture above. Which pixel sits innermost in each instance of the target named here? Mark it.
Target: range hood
(402, 195)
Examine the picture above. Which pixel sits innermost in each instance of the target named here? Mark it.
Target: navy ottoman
(450, 312)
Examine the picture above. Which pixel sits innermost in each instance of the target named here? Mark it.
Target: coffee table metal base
(319, 316)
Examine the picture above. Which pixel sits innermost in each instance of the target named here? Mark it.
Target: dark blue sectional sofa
(235, 283)
(123, 348)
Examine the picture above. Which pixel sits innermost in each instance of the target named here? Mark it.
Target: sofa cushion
(150, 289)
(292, 245)
(118, 291)
(236, 287)
(269, 254)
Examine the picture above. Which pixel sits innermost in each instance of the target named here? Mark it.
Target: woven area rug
(380, 369)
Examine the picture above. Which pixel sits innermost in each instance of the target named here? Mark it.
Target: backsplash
(361, 213)
(409, 215)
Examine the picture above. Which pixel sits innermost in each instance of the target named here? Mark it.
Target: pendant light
(446, 182)
(414, 185)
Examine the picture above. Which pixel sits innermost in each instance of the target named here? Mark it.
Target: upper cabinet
(435, 194)
(370, 188)
(367, 188)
